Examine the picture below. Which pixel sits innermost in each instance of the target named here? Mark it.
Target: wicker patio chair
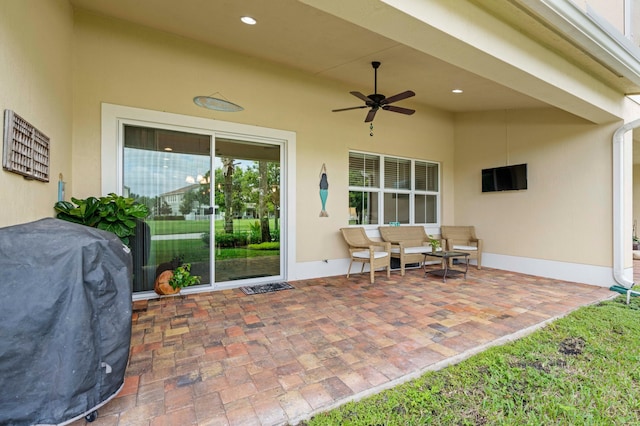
(463, 238)
(363, 249)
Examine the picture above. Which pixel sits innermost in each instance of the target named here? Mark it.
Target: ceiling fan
(377, 101)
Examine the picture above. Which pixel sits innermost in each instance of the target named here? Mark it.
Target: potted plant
(172, 281)
(113, 213)
(434, 243)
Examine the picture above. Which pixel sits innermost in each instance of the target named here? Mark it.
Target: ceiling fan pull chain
(371, 129)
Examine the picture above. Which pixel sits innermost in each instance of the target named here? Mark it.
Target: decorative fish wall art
(324, 190)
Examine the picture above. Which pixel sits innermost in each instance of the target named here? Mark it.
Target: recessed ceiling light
(248, 20)
(456, 91)
(168, 148)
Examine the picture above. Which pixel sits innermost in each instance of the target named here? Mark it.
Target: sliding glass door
(225, 223)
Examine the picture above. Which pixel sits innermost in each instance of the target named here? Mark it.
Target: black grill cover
(65, 320)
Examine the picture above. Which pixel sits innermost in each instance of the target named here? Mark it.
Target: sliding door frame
(112, 145)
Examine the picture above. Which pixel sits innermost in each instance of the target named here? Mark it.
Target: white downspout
(620, 240)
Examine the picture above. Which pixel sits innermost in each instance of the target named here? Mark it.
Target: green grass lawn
(165, 227)
(583, 369)
(235, 253)
(190, 251)
(196, 251)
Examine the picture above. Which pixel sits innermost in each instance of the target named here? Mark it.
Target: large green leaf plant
(113, 213)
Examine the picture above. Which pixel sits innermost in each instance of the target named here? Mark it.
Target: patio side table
(446, 272)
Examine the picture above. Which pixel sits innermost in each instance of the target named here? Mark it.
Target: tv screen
(508, 178)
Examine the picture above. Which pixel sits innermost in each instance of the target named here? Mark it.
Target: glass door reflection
(170, 172)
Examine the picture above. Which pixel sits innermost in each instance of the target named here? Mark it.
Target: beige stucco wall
(35, 82)
(121, 64)
(565, 214)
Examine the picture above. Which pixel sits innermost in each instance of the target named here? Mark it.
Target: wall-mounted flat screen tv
(508, 178)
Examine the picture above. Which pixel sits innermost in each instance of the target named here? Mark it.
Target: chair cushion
(412, 250)
(467, 248)
(364, 254)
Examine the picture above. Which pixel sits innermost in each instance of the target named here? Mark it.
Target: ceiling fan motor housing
(376, 98)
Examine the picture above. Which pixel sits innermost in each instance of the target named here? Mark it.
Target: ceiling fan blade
(347, 109)
(361, 96)
(401, 110)
(398, 97)
(371, 115)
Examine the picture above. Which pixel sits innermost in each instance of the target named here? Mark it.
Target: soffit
(302, 37)
(527, 21)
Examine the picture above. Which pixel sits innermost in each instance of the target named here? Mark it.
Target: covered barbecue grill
(65, 321)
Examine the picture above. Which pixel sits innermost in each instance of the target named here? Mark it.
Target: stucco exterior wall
(565, 214)
(35, 82)
(121, 64)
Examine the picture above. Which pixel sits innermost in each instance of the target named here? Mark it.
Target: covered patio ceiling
(339, 40)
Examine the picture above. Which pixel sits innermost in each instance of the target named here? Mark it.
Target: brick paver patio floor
(225, 358)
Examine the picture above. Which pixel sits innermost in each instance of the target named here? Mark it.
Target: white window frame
(381, 190)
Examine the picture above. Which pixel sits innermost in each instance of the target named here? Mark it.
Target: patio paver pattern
(225, 358)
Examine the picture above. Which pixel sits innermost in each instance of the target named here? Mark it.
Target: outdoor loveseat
(408, 243)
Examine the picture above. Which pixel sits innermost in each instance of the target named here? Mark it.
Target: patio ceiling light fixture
(217, 103)
(248, 20)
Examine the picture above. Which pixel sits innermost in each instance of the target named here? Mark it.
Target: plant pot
(162, 286)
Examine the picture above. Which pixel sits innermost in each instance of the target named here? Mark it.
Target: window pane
(426, 176)
(396, 208)
(421, 176)
(426, 208)
(397, 173)
(433, 183)
(364, 170)
(365, 205)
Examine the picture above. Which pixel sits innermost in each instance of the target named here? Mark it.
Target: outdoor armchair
(463, 238)
(363, 249)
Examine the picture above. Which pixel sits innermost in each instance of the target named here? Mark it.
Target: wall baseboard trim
(600, 276)
(574, 272)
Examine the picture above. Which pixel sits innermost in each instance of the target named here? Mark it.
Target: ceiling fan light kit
(378, 101)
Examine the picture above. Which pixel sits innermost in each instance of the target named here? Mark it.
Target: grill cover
(65, 320)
